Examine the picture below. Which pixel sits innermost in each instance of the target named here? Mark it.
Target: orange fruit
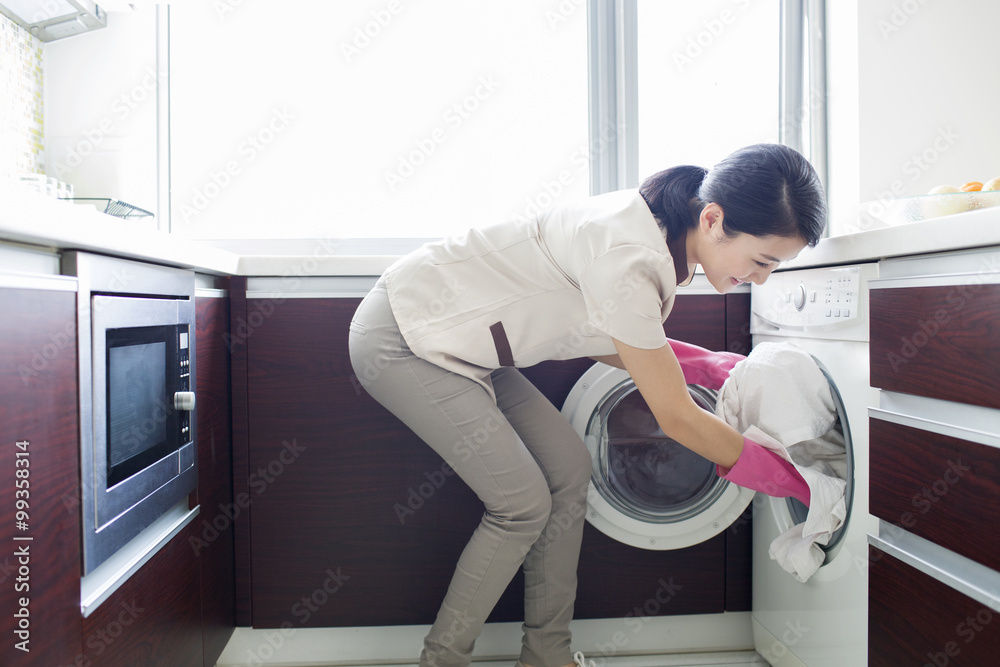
(972, 186)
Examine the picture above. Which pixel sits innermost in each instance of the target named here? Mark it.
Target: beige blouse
(518, 293)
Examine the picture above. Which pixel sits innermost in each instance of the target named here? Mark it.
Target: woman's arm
(610, 360)
(659, 378)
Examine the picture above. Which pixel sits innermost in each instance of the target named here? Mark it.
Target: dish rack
(118, 209)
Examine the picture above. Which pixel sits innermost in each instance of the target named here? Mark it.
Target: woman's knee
(580, 468)
(529, 510)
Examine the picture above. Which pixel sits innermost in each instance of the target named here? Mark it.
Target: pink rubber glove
(760, 469)
(701, 366)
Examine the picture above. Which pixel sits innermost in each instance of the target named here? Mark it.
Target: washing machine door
(789, 511)
(646, 489)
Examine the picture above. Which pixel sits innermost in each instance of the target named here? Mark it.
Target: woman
(438, 339)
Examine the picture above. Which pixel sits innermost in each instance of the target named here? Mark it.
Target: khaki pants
(524, 461)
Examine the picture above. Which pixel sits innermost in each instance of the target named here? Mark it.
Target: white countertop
(973, 229)
(30, 219)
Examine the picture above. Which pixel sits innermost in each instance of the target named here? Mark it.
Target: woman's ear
(710, 220)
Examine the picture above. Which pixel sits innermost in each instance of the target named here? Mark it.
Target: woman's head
(767, 190)
(756, 208)
(764, 190)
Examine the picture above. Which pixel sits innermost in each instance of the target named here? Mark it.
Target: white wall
(100, 109)
(928, 96)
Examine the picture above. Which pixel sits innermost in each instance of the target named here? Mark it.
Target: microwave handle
(184, 400)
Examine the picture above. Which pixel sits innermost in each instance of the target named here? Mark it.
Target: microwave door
(140, 438)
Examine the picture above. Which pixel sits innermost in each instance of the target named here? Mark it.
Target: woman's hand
(661, 381)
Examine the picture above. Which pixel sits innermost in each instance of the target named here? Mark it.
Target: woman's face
(731, 261)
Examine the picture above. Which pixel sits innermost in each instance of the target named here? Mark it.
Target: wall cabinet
(935, 461)
(346, 506)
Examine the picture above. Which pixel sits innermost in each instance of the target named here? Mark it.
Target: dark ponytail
(763, 190)
(672, 197)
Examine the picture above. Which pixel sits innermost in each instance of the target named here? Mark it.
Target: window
(707, 80)
(385, 118)
(389, 119)
(691, 82)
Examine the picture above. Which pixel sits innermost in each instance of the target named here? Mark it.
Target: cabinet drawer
(913, 619)
(940, 342)
(942, 488)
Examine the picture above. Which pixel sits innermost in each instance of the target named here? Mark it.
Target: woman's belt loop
(504, 355)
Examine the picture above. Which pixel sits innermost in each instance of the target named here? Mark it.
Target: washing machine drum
(646, 489)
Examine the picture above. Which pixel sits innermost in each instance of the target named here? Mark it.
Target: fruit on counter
(964, 198)
(935, 207)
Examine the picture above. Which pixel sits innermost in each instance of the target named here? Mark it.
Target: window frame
(612, 27)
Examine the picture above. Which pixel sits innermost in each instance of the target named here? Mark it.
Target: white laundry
(827, 451)
(779, 389)
(778, 394)
(799, 549)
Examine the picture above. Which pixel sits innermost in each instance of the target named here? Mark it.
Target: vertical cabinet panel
(739, 536)
(213, 531)
(39, 575)
(347, 506)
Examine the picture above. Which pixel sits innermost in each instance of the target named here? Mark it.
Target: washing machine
(646, 490)
(822, 622)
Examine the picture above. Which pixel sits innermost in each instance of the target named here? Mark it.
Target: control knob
(800, 297)
(184, 400)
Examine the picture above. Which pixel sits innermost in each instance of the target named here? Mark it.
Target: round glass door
(646, 490)
(641, 471)
(841, 464)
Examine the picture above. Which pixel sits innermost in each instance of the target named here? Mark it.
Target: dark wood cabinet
(935, 465)
(914, 619)
(212, 538)
(938, 341)
(179, 607)
(347, 506)
(942, 488)
(154, 618)
(39, 479)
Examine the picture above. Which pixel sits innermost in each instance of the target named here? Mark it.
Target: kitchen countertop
(30, 219)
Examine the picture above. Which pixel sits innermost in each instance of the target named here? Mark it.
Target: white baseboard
(400, 645)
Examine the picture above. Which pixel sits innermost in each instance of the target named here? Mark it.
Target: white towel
(828, 452)
(779, 389)
(799, 549)
(778, 394)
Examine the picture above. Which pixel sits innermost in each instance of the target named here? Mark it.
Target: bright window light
(708, 77)
(374, 119)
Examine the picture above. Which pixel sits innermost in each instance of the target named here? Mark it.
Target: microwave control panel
(182, 402)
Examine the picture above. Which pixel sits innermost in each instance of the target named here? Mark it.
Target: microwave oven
(136, 333)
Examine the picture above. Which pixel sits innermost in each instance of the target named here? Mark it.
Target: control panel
(825, 298)
(184, 398)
